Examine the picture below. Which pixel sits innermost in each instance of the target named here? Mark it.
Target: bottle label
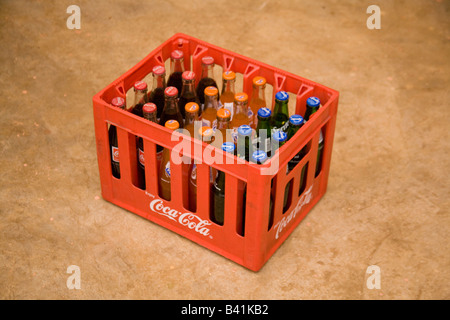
(115, 154)
(206, 123)
(283, 128)
(250, 115)
(141, 157)
(234, 134)
(167, 169)
(194, 175)
(229, 107)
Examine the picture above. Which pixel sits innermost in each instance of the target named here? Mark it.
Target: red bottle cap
(118, 102)
(176, 54)
(171, 92)
(158, 70)
(188, 75)
(140, 85)
(149, 107)
(207, 60)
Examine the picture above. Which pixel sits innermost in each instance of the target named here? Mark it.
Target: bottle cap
(244, 130)
(264, 112)
(206, 131)
(158, 70)
(223, 113)
(282, 96)
(118, 102)
(140, 85)
(172, 124)
(177, 54)
(229, 75)
(188, 75)
(259, 81)
(259, 156)
(228, 147)
(207, 60)
(149, 107)
(191, 107)
(241, 97)
(313, 102)
(296, 119)
(211, 91)
(171, 91)
(279, 136)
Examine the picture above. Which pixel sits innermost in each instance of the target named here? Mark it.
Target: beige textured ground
(387, 202)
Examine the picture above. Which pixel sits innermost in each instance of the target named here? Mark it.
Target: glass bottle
(279, 138)
(263, 130)
(222, 133)
(150, 111)
(156, 96)
(240, 112)
(206, 79)
(176, 70)
(188, 92)
(211, 106)
(171, 111)
(258, 100)
(140, 97)
(228, 91)
(244, 145)
(164, 169)
(191, 109)
(312, 106)
(118, 102)
(280, 116)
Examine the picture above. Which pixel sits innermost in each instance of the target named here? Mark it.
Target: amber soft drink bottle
(156, 96)
(140, 97)
(176, 70)
(207, 136)
(188, 92)
(258, 100)
(149, 110)
(191, 110)
(222, 132)
(240, 113)
(164, 168)
(206, 79)
(112, 134)
(211, 106)
(228, 91)
(171, 111)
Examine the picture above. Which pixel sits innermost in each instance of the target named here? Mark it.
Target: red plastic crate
(252, 245)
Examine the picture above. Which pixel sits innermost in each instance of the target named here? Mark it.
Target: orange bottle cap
(191, 107)
(211, 91)
(172, 124)
(206, 131)
(259, 81)
(241, 97)
(229, 75)
(223, 113)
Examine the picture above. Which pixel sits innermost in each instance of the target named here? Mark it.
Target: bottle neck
(191, 117)
(150, 116)
(281, 107)
(211, 102)
(293, 130)
(241, 107)
(223, 123)
(140, 97)
(309, 112)
(258, 93)
(176, 65)
(170, 104)
(159, 81)
(263, 123)
(188, 86)
(208, 71)
(228, 85)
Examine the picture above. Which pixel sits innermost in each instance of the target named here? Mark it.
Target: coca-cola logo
(283, 223)
(115, 154)
(141, 157)
(187, 219)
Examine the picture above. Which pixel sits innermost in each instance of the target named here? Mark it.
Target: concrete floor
(387, 202)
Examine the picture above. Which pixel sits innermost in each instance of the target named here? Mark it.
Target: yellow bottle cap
(172, 124)
(211, 91)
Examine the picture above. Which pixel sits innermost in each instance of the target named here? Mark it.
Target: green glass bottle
(280, 116)
(312, 106)
(263, 130)
(279, 138)
(295, 123)
(218, 190)
(244, 147)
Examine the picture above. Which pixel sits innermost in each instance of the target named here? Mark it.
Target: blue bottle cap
(313, 102)
(228, 147)
(264, 112)
(282, 96)
(296, 119)
(279, 136)
(244, 130)
(259, 156)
